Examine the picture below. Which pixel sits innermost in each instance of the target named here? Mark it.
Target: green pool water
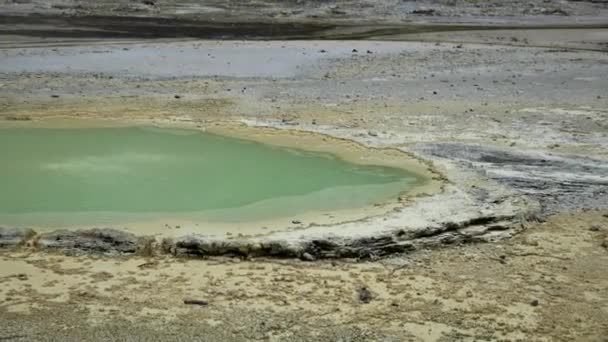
(51, 177)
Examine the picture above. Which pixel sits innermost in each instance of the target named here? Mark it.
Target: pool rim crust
(444, 214)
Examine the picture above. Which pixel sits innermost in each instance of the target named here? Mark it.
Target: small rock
(370, 52)
(177, 96)
(22, 276)
(355, 51)
(322, 51)
(424, 11)
(595, 228)
(364, 295)
(296, 222)
(54, 96)
(534, 302)
(307, 257)
(372, 134)
(196, 302)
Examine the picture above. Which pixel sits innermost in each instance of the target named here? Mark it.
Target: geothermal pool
(55, 177)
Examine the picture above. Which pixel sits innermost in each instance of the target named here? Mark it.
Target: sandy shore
(515, 120)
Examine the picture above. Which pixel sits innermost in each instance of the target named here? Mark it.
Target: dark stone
(429, 11)
(97, 240)
(364, 295)
(535, 302)
(196, 302)
(595, 228)
(12, 237)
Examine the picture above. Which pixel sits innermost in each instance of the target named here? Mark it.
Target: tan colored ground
(472, 292)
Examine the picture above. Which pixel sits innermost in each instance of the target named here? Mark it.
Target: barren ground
(514, 118)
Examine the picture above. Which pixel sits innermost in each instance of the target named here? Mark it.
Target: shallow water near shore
(88, 176)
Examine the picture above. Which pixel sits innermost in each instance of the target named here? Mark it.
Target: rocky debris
(201, 246)
(97, 241)
(595, 228)
(534, 302)
(483, 229)
(12, 237)
(558, 183)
